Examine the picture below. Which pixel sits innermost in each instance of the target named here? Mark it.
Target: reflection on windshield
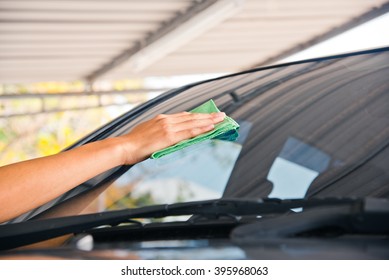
(175, 177)
(295, 168)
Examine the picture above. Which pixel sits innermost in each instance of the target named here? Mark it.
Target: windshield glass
(175, 177)
(319, 128)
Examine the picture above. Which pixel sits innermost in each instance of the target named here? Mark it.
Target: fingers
(196, 123)
(185, 116)
(200, 121)
(192, 132)
(188, 125)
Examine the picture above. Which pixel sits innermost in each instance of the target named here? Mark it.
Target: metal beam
(166, 28)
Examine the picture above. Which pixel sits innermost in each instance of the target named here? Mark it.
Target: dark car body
(313, 131)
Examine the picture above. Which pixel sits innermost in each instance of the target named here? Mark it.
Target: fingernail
(220, 114)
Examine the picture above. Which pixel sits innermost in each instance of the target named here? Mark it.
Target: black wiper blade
(19, 234)
(368, 217)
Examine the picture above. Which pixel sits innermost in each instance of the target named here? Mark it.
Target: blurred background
(69, 66)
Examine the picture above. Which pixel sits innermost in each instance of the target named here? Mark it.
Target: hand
(163, 131)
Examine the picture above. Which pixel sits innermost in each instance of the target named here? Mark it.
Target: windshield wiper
(368, 217)
(19, 234)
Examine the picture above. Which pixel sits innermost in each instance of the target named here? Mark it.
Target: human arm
(29, 184)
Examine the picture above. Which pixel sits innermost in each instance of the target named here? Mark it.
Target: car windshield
(317, 128)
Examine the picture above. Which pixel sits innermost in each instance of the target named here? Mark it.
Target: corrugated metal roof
(43, 40)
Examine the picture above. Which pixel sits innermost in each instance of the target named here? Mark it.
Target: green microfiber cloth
(226, 130)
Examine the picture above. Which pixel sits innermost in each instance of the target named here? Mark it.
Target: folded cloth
(226, 130)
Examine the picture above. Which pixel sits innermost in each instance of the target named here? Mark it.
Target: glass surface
(295, 168)
(175, 177)
(306, 129)
(319, 128)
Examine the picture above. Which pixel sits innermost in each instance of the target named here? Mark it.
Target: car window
(305, 130)
(318, 128)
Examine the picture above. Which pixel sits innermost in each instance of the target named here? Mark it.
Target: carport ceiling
(42, 40)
